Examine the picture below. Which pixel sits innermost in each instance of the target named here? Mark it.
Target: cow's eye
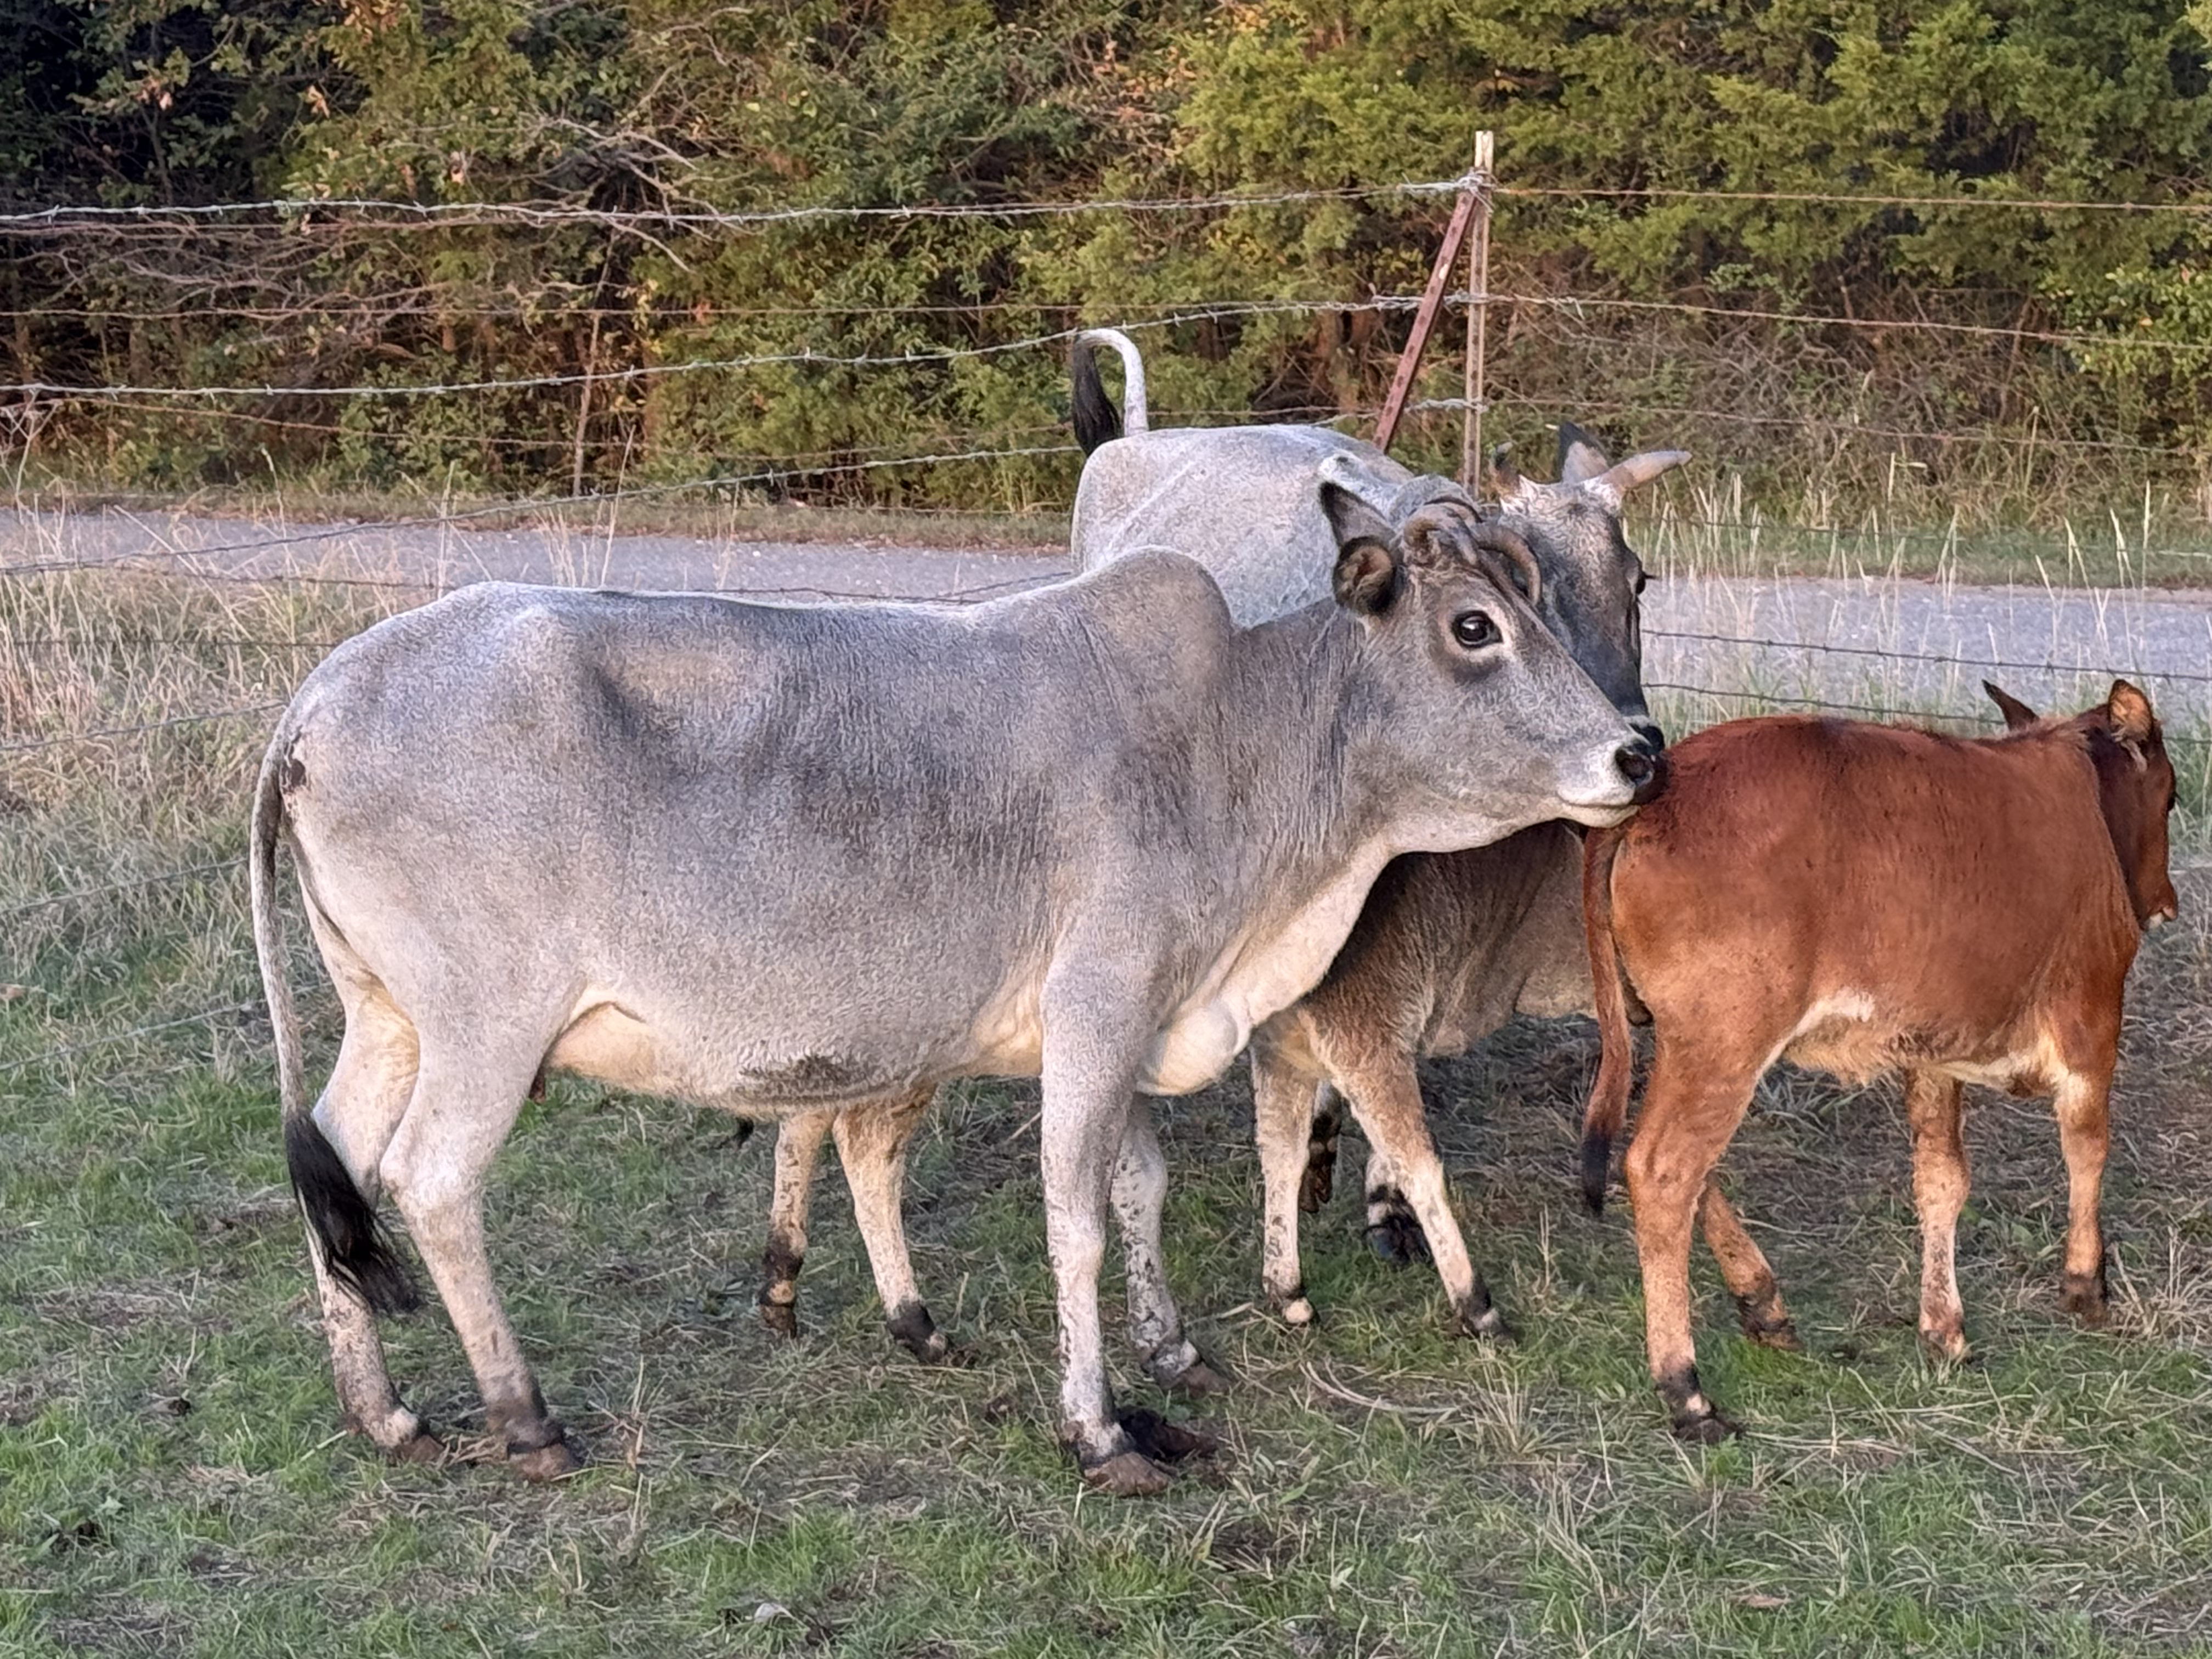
(1474, 629)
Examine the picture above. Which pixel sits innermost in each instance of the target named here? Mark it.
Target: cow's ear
(1579, 457)
(1366, 577)
(1504, 476)
(2016, 713)
(2129, 711)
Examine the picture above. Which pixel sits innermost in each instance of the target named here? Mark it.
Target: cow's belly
(1851, 1034)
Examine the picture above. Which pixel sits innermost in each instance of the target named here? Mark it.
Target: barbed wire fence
(122, 772)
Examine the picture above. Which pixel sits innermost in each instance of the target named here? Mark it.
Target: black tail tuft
(1597, 1166)
(1097, 420)
(356, 1246)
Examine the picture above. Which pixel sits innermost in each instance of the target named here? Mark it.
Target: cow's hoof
(1163, 1441)
(1126, 1475)
(1396, 1237)
(1487, 1325)
(780, 1318)
(1705, 1428)
(554, 1461)
(423, 1448)
(1318, 1184)
(1782, 1337)
(2084, 1298)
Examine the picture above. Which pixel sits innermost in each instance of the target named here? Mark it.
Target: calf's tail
(1096, 420)
(353, 1243)
(1606, 1112)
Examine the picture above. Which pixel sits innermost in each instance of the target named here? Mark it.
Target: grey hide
(779, 860)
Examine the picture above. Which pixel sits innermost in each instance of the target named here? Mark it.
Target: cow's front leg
(2085, 1139)
(797, 1147)
(1939, 1191)
(1139, 1194)
(871, 1143)
(1088, 1072)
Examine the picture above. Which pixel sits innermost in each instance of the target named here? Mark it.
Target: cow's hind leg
(462, 1109)
(2083, 1105)
(1386, 1098)
(1393, 1230)
(1932, 1106)
(1139, 1191)
(1743, 1268)
(797, 1147)
(358, 1113)
(1690, 1109)
(872, 1144)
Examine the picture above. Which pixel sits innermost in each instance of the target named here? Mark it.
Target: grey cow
(1449, 947)
(780, 860)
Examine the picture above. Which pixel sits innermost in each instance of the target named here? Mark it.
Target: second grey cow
(783, 861)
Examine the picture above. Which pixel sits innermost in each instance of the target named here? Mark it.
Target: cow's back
(1945, 884)
(1244, 502)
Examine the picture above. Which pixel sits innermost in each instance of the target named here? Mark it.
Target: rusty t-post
(1475, 192)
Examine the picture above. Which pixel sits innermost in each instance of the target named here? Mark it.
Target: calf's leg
(1284, 1119)
(797, 1147)
(1940, 1183)
(1140, 1190)
(1319, 1180)
(358, 1113)
(871, 1145)
(2083, 1105)
(1386, 1098)
(1691, 1106)
(1393, 1231)
(1743, 1268)
(462, 1106)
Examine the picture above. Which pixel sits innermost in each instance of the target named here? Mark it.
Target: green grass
(171, 1479)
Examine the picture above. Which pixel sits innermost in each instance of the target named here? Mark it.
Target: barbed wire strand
(231, 866)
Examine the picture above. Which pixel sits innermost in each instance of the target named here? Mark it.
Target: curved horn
(1626, 476)
(1492, 537)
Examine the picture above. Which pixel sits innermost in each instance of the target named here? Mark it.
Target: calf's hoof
(1393, 1234)
(554, 1461)
(917, 1333)
(1705, 1428)
(423, 1447)
(1198, 1380)
(1484, 1325)
(1126, 1475)
(1163, 1441)
(2084, 1297)
(1945, 1345)
(780, 1318)
(1766, 1324)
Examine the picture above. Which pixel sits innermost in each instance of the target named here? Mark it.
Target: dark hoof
(1487, 1325)
(1398, 1239)
(2084, 1298)
(1163, 1441)
(918, 1334)
(1318, 1184)
(1706, 1428)
(1199, 1380)
(424, 1448)
(553, 1462)
(781, 1318)
(1780, 1335)
(1126, 1475)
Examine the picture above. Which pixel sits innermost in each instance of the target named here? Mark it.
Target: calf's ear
(1366, 576)
(2016, 713)
(2129, 711)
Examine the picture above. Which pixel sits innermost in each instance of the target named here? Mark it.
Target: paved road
(1905, 644)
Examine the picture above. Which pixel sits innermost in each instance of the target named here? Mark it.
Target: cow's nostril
(1643, 767)
(1650, 733)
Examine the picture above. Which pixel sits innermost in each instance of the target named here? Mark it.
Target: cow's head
(2135, 787)
(1464, 686)
(1591, 575)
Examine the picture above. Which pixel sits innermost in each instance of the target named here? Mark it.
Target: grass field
(171, 1479)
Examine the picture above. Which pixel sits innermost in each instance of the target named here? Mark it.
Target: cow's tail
(352, 1242)
(1096, 420)
(1606, 1114)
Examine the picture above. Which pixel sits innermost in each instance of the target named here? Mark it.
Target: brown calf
(1862, 899)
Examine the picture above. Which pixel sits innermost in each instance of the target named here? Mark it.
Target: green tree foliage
(1660, 157)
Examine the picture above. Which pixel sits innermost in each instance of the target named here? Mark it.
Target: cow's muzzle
(1643, 766)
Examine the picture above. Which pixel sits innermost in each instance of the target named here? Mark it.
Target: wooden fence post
(1478, 317)
(1475, 192)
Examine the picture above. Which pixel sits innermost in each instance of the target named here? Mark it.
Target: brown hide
(1863, 899)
